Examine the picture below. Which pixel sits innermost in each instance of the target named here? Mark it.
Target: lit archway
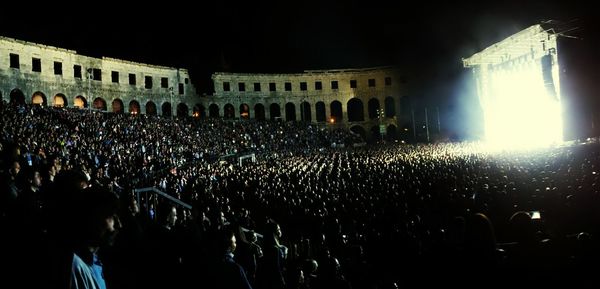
(198, 111)
(244, 111)
(39, 98)
(336, 111)
(80, 102)
(134, 107)
(60, 100)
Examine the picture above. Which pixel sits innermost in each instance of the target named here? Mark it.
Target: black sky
(428, 39)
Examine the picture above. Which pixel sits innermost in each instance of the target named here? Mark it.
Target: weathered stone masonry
(367, 100)
(359, 99)
(46, 75)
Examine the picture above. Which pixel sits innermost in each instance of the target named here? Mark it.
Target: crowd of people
(305, 214)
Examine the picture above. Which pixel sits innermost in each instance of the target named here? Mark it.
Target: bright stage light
(519, 90)
(520, 112)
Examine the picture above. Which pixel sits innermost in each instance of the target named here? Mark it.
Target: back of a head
(97, 201)
(240, 236)
(62, 199)
(91, 207)
(70, 182)
(521, 226)
(310, 266)
(479, 233)
(271, 234)
(226, 242)
(25, 176)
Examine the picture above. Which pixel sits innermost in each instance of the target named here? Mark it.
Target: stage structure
(519, 88)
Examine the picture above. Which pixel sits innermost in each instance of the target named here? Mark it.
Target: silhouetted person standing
(229, 274)
(95, 225)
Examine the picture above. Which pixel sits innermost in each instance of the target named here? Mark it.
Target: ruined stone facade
(51, 76)
(367, 101)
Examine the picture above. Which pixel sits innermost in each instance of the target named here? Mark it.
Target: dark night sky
(425, 38)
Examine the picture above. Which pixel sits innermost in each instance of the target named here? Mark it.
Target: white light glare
(520, 113)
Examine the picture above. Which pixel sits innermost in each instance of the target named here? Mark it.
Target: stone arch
(392, 132)
(117, 106)
(320, 111)
(17, 97)
(151, 108)
(182, 110)
(244, 111)
(336, 111)
(228, 111)
(80, 102)
(213, 111)
(166, 109)
(134, 107)
(390, 107)
(39, 98)
(275, 111)
(373, 108)
(305, 114)
(290, 111)
(60, 100)
(355, 110)
(358, 129)
(199, 111)
(259, 111)
(100, 103)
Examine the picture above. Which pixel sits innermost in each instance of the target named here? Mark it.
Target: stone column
(267, 110)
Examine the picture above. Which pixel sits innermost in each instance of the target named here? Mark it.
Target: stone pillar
(365, 109)
(267, 110)
(344, 112)
(298, 109)
(251, 113)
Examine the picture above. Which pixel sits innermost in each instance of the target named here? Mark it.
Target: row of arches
(39, 98)
(60, 100)
(355, 109)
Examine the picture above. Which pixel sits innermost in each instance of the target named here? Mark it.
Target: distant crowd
(305, 214)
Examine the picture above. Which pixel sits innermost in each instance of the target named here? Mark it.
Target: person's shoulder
(78, 264)
(81, 274)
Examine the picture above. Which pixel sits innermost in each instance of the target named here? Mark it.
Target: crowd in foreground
(304, 215)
